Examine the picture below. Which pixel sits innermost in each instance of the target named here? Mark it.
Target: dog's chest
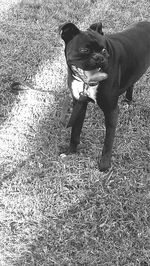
(79, 87)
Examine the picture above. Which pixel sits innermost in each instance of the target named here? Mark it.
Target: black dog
(101, 68)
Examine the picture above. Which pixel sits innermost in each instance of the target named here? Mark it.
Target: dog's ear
(67, 31)
(97, 27)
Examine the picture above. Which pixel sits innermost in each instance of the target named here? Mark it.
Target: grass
(64, 211)
(28, 37)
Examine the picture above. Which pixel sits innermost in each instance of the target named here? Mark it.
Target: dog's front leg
(77, 126)
(111, 118)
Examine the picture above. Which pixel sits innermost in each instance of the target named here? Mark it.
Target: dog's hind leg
(129, 93)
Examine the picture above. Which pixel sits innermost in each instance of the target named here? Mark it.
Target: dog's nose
(98, 58)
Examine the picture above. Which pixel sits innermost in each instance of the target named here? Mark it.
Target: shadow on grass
(28, 37)
(86, 218)
(109, 225)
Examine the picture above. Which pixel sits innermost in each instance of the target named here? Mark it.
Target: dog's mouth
(91, 77)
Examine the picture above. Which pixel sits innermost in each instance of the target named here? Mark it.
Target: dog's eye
(104, 51)
(84, 50)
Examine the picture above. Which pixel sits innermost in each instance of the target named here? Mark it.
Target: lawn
(64, 212)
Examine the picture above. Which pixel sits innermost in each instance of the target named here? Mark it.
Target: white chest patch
(78, 87)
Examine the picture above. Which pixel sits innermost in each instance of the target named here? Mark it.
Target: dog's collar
(82, 78)
(78, 78)
(84, 95)
(87, 86)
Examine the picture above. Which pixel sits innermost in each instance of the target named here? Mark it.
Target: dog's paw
(104, 164)
(126, 101)
(64, 151)
(63, 155)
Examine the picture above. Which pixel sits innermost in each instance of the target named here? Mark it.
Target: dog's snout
(98, 58)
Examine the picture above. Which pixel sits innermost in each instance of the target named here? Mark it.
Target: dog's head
(85, 51)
